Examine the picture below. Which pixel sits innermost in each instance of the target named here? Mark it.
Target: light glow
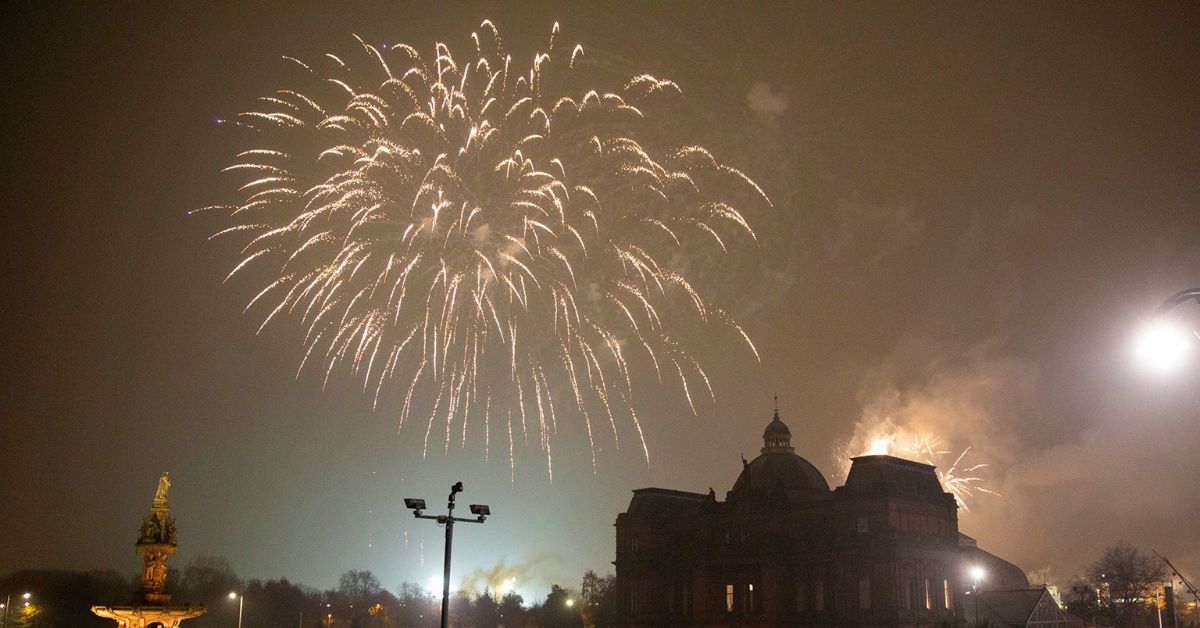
(1162, 346)
(880, 446)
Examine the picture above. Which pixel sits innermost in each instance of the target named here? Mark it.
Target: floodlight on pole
(482, 512)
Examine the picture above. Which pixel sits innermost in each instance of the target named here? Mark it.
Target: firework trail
(498, 240)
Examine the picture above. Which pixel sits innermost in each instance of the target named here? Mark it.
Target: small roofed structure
(882, 474)
(1018, 608)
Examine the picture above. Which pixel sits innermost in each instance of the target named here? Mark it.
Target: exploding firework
(960, 479)
(485, 242)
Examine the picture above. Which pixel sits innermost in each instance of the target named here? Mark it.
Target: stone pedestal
(156, 542)
(148, 616)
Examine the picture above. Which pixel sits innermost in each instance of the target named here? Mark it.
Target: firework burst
(492, 245)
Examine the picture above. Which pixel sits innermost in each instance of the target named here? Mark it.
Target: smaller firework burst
(961, 479)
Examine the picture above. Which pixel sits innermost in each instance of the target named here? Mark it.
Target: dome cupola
(777, 438)
(779, 475)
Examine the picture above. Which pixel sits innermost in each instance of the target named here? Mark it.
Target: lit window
(949, 593)
(864, 592)
(749, 598)
(729, 598)
(819, 595)
(928, 596)
(862, 525)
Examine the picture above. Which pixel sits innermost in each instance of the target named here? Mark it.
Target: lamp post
(1183, 296)
(1163, 346)
(482, 511)
(977, 575)
(241, 600)
(8, 603)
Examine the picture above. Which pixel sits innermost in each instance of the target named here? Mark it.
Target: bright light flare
(880, 446)
(435, 584)
(977, 574)
(1162, 346)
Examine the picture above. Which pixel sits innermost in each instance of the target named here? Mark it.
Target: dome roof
(777, 428)
(779, 472)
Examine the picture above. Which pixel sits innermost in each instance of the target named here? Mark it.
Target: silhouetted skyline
(973, 208)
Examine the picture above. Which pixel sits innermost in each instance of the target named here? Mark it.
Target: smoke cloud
(767, 103)
(504, 576)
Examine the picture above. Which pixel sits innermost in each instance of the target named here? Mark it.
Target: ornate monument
(156, 542)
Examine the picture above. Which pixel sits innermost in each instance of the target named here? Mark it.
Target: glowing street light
(481, 511)
(241, 600)
(1163, 346)
(977, 574)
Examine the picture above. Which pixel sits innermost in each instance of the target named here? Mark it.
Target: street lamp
(976, 575)
(1161, 345)
(482, 511)
(241, 600)
(8, 603)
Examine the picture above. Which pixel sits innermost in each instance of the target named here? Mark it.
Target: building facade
(784, 550)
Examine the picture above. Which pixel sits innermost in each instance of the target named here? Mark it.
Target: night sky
(974, 208)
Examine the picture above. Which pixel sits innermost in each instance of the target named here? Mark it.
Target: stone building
(783, 549)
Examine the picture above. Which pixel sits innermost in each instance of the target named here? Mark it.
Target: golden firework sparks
(490, 238)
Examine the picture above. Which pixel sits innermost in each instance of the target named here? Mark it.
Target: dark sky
(974, 207)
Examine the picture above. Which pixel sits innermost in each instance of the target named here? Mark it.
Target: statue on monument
(164, 485)
(159, 526)
(156, 543)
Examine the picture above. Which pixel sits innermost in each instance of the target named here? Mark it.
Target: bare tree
(1125, 577)
(359, 589)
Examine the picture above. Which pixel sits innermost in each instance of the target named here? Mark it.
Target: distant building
(785, 550)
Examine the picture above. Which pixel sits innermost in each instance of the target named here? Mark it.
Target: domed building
(783, 549)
